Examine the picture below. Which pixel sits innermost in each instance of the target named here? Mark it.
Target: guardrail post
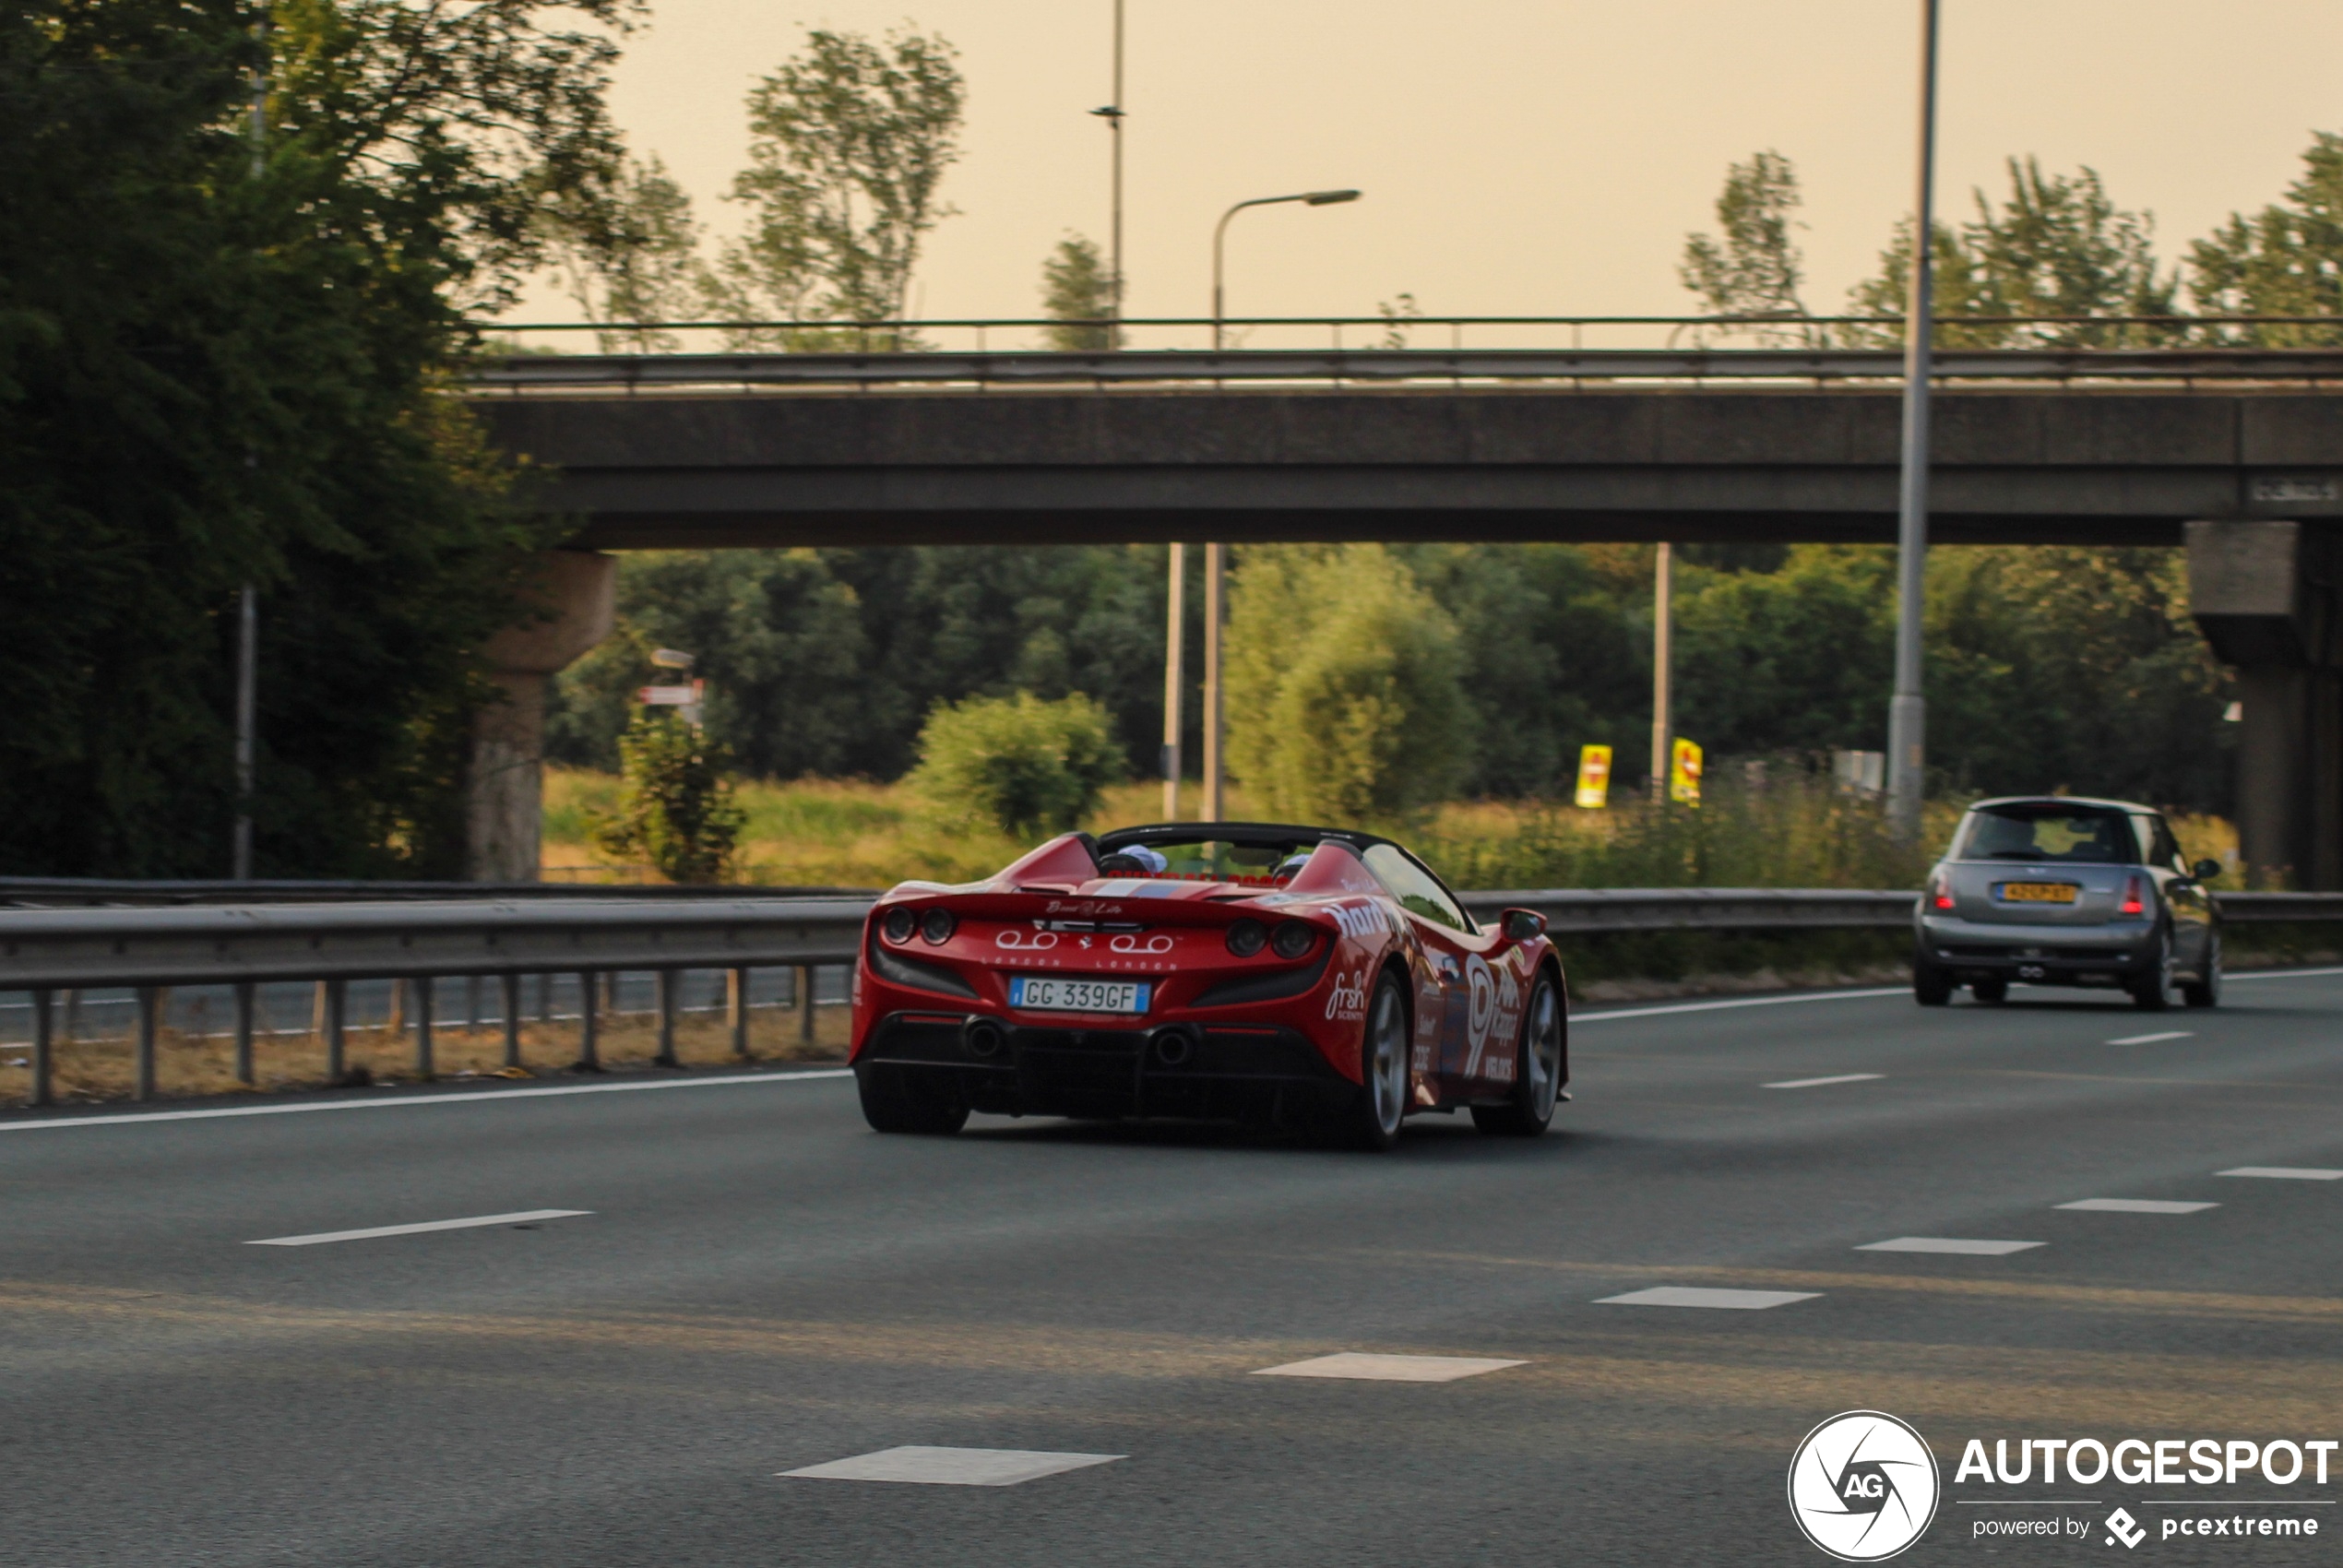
(337, 1001)
(244, 1031)
(805, 1003)
(589, 1055)
(511, 1020)
(667, 983)
(736, 1000)
(38, 1091)
(423, 1066)
(143, 1064)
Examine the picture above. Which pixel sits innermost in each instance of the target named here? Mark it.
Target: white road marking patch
(472, 1224)
(952, 1467)
(1389, 1369)
(1948, 1244)
(2230, 975)
(2137, 1206)
(2151, 1039)
(1744, 1001)
(1702, 1296)
(2285, 1172)
(1818, 1083)
(470, 1097)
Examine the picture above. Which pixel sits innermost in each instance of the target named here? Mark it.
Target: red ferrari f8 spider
(1236, 971)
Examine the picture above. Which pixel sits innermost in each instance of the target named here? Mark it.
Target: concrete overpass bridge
(2236, 454)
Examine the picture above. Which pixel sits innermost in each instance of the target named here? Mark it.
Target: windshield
(2079, 836)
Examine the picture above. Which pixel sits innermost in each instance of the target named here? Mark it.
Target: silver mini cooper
(2058, 891)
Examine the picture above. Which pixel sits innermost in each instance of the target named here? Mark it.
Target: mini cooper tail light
(2131, 903)
(936, 925)
(1292, 939)
(1247, 937)
(900, 924)
(1940, 892)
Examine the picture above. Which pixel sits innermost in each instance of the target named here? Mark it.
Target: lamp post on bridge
(1215, 559)
(1907, 711)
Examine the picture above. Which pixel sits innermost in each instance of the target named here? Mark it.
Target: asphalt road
(761, 1285)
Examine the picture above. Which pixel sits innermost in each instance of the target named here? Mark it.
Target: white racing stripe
(474, 1223)
(1818, 1083)
(470, 1097)
(1746, 1002)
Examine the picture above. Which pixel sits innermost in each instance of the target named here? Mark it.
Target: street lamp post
(1907, 712)
(248, 597)
(1215, 555)
(1113, 115)
(1221, 234)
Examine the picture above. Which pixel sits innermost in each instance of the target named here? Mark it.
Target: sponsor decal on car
(1481, 988)
(1359, 918)
(1346, 1002)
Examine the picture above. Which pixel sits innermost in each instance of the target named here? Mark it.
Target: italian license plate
(1050, 994)
(2039, 892)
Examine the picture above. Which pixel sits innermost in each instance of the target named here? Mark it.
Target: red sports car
(1243, 971)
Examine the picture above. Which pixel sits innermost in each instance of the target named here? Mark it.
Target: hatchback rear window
(2077, 836)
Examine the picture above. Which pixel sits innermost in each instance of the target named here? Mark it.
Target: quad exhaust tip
(1173, 1045)
(983, 1039)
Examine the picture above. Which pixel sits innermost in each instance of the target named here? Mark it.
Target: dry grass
(204, 1064)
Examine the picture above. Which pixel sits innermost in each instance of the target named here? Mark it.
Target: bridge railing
(557, 357)
(494, 934)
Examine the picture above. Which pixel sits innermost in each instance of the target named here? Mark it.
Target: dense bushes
(1016, 765)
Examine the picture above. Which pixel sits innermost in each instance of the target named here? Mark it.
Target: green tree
(2284, 260)
(211, 376)
(1018, 764)
(850, 143)
(1753, 267)
(1344, 691)
(1078, 288)
(630, 256)
(2057, 246)
(676, 813)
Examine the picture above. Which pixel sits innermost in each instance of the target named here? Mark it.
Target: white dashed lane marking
(1948, 1244)
(2137, 1206)
(1704, 1296)
(2151, 1039)
(1389, 1369)
(1818, 1083)
(523, 1218)
(952, 1467)
(2285, 1172)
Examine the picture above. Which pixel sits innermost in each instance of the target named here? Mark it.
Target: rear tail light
(900, 924)
(1292, 939)
(1247, 937)
(938, 926)
(1940, 891)
(2131, 903)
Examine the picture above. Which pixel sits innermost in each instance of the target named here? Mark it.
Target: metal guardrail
(69, 892)
(638, 373)
(46, 949)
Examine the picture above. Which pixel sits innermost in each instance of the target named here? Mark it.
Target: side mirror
(1520, 925)
(2205, 871)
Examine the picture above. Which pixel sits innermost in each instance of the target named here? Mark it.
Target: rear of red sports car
(1103, 982)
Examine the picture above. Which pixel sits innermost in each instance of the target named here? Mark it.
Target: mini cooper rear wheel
(1932, 985)
(1382, 1102)
(1538, 1069)
(2205, 990)
(890, 1106)
(2152, 993)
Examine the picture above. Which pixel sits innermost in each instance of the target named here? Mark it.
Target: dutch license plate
(2039, 892)
(1039, 994)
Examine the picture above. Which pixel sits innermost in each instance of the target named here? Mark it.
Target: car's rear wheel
(890, 1106)
(2152, 991)
(1990, 991)
(2205, 990)
(1932, 985)
(1382, 1102)
(1537, 1075)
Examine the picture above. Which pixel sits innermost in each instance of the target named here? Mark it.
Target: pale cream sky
(1517, 157)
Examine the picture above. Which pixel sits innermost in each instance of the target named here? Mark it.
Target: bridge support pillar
(571, 606)
(2264, 592)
